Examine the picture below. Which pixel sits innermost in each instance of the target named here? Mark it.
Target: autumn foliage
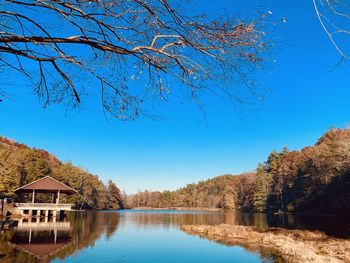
(20, 165)
(314, 179)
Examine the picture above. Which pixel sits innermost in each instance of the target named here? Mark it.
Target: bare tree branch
(126, 50)
(334, 17)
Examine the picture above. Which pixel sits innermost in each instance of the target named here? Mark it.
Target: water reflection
(43, 240)
(331, 225)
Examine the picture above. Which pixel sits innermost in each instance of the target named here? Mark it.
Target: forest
(20, 164)
(315, 179)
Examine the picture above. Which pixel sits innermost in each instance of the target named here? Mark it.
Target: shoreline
(237, 211)
(178, 208)
(294, 246)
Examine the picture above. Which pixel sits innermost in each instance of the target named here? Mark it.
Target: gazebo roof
(46, 184)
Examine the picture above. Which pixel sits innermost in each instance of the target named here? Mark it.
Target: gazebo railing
(44, 206)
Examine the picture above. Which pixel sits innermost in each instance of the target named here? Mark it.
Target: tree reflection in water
(44, 241)
(331, 225)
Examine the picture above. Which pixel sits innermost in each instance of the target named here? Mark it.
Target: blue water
(154, 236)
(145, 236)
(158, 244)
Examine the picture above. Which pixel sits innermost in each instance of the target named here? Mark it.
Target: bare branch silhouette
(125, 50)
(334, 17)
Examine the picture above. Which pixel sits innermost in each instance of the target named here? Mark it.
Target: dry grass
(294, 246)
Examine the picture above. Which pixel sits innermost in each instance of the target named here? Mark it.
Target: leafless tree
(123, 51)
(334, 17)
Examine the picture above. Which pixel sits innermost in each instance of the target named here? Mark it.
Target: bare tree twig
(112, 45)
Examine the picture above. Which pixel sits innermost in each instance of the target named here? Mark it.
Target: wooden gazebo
(46, 185)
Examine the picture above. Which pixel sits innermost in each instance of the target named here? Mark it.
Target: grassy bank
(293, 246)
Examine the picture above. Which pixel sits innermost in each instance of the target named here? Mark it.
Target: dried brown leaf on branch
(126, 50)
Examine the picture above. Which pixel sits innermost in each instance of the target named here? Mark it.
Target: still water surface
(142, 236)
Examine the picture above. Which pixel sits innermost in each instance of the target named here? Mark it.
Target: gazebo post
(58, 197)
(33, 197)
(30, 236)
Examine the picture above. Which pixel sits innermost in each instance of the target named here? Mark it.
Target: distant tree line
(20, 165)
(204, 194)
(315, 179)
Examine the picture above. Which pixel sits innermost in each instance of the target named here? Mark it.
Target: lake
(144, 236)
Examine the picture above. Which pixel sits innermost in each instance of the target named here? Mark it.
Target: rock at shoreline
(294, 246)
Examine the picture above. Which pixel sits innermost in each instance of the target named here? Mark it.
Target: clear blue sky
(305, 97)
